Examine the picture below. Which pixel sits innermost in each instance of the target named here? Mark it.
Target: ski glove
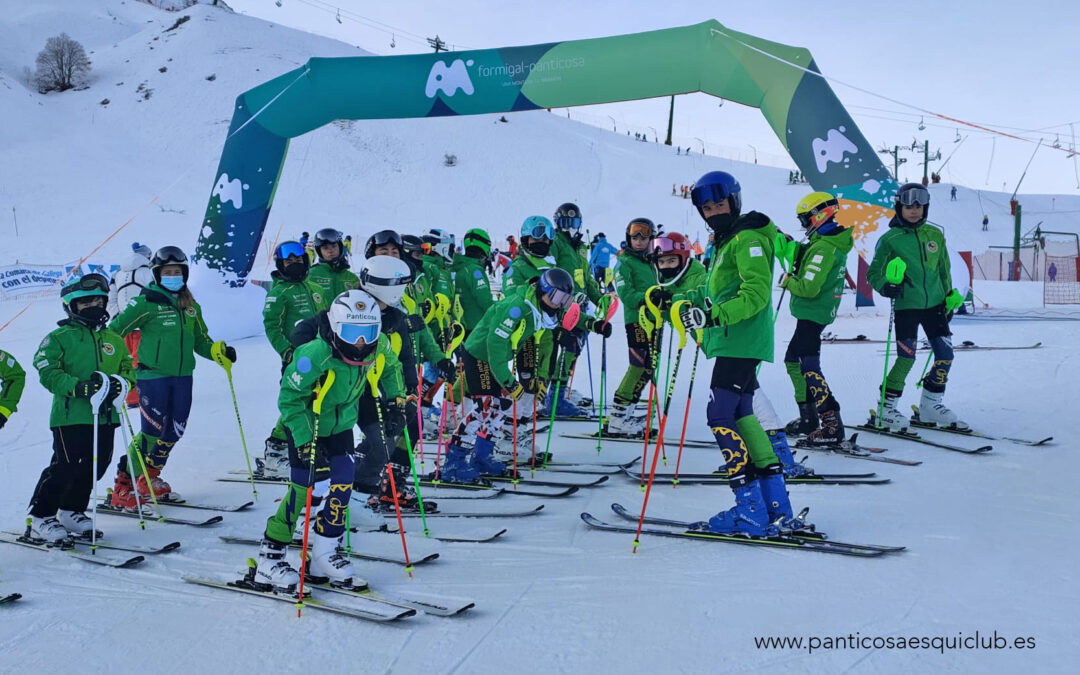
(306, 452)
(601, 328)
(3, 420)
(692, 318)
(395, 419)
(567, 339)
(415, 323)
(87, 388)
(230, 353)
(892, 291)
(535, 386)
(115, 387)
(515, 391)
(659, 297)
(446, 369)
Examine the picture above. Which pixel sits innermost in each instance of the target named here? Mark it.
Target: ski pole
(316, 409)
(401, 526)
(126, 434)
(894, 274)
(681, 329)
(609, 311)
(926, 367)
(416, 484)
(569, 321)
(515, 338)
(96, 400)
(588, 362)
(438, 453)
(686, 413)
(217, 351)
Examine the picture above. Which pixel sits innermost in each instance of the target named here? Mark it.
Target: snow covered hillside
(991, 539)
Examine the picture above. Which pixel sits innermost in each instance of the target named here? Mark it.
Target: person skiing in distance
(512, 247)
(634, 275)
(734, 308)
(173, 331)
(600, 261)
(304, 236)
(74, 362)
(816, 285)
(925, 297)
(291, 299)
(331, 271)
(133, 277)
(490, 384)
(349, 343)
(12, 382)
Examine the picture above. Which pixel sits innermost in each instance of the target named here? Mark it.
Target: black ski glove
(892, 291)
(3, 420)
(87, 388)
(535, 386)
(660, 297)
(515, 391)
(115, 387)
(415, 323)
(394, 419)
(446, 369)
(600, 327)
(566, 339)
(230, 353)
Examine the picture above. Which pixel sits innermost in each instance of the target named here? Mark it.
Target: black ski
(434, 606)
(69, 548)
(850, 448)
(396, 560)
(513, 490)
(622, 512)
(244, 586)
(193, 505)
(640, 440)
(10, 598)
(783, 542)
(969, 346)
(916, 422)
(522, 479)
(717, 479)
(392, 514)
(829, 338)
(149, 515)
(912, 436)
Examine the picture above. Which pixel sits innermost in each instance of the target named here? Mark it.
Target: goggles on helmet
(542, 231)
(711, 192)
(353, 333)
(290, 249)
(559, 298)
(90, 282)
(367, 278)
(806, 218)
(913, 196)
(569, 222)
(640, 231)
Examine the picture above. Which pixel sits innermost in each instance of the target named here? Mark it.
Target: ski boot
(579, 399)
(273, 572)
(78, 524)
(328, 565)
(831, 430)
(123, 493)
(624, 422)
(807, 422)
(48, 530)
(482, 460)
(891, 418)
(431, 417)
(749, 515)
(777, 504)
(457, 468)
(275, 463)
(162, 490)
(383, 500)
(563, 407)
(932, 411)
(792, 469)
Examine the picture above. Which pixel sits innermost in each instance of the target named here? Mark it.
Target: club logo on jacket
(931, 246)
(108, 349)
(190, 311)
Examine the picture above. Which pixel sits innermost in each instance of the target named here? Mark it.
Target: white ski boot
(625, 421)
(933, 411)
(275, 462)
(328, 564)
(891, 418)
(579, 399)
(49, 529)
(77, 523)
(273, 570)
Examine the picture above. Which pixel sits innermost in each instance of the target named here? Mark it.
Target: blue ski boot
(563, 407)
(777, 504)
(748, 516)
(457, 468)
(482, 460)
(792, 469)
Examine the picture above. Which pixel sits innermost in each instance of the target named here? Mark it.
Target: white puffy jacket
(133, 277)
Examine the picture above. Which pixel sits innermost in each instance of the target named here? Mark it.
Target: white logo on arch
(832, 148)
(448, 79)
(229, 190)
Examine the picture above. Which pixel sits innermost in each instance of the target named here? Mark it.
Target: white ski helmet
(385, 277)
(356, 321)
(441, 242)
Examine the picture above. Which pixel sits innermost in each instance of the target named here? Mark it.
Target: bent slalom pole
(894, 274)
(316, 409)
(96, 400)
(217, 352)
(569, 322)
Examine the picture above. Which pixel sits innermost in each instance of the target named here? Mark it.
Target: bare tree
(63, 64)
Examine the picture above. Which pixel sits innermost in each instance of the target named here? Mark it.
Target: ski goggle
(559, 298)
(542, 231)
(806, 219)
(290, 249)
(384, 237)
(353, 333)
(367, 278)
(666, 246)
(640, 231)
(918, 196)
(170, 255)
(712, 192)
(569, 222)
(89, 282)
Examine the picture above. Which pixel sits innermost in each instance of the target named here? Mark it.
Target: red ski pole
(400, 525)
(686, 414)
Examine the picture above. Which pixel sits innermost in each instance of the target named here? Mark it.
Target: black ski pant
(67, 481)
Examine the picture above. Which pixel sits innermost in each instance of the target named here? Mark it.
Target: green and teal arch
(780, 80)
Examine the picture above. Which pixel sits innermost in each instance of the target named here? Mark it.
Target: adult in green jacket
(291, 299)
(12, 381)
(472, 288)
(173, 331)
(78, 362)
(816, 285)
(923, 297)
(489, 381)
(332, 272)
(318, 402)
(735, 310)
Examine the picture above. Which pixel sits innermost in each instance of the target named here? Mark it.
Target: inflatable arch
(780, 80)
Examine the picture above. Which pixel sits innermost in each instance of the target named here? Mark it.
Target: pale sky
(1013, 67)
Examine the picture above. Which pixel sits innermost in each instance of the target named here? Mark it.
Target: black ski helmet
(329, 235)
(168, 255)
(910, 194)
(382, 238)
(557, 285)
(567, 217)
(643, 224)
(85, 287)
(290, 249)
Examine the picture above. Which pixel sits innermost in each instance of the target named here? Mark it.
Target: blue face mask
(173, 284)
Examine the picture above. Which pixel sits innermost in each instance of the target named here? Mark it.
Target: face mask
(668, 273)
(173, 284)
(539, 249)
(93, 316)
(721, 222)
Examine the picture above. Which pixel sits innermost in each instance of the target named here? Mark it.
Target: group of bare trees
(62, 65)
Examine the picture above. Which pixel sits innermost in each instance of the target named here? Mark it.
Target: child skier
(332, 271)
(74, 362)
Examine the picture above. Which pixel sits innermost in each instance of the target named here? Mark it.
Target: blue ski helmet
(538, 227)
(716, 186)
